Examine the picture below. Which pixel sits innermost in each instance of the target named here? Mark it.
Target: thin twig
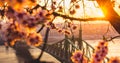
(45, 43)
(113, 38)
(41, 28)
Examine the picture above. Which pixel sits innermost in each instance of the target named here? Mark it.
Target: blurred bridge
(63, 49)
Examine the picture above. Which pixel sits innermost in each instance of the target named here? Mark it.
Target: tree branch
(113, 38)
(44, 44)
(41, 28)
(72, 18)
(79, 19)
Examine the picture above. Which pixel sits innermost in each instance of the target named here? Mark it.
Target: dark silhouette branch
(45, 43)
(41, 28)
(79, 19)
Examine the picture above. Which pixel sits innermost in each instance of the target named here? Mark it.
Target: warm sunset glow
(100, 13)
(67, 30)
(90, 10)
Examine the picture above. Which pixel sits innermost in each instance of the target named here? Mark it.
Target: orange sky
(91, 9)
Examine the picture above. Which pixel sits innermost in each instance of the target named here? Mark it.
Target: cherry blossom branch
(72, 18)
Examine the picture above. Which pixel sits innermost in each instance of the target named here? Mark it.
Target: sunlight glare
(100, 13)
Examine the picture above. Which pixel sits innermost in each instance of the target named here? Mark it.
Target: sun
(100, 13)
